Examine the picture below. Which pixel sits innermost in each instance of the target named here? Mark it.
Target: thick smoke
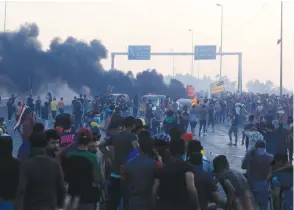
(23, 64)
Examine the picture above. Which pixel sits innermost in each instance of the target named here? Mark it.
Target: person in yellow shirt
(53, 107)
(61, 106)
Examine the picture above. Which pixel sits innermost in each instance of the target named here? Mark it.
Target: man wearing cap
(257, 162)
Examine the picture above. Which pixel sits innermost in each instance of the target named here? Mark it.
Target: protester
(60, 106)
(269, 117)
(282, 182)
(257, 163)
(193, 119)
(86, 104)
(211, 117)
(234, 129)
(203, 120)
(205, 184)
(115, 127)
(38, 107)
(248, 127)
(140, 126)
(270, 138)
(290, 138)
(27, 129)
(184, 119)
(162, 147)
(78, 112)
(196, 147)
(10, 108)
(33, 192)
(67, 137)
(281, 135)
(175, 106)
(83, 174)
(174, 184)
(38, 127)
(53, 108)
(123, 144)
(93, 148)
(9, 171)
(155, 120)
(170, 121)
(95, 124)
(30, 103)
(45, 114)
(253, 136)
(53, 143)
(235, 185)
(138, 176)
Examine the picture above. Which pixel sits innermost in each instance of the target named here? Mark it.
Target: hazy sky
(250, 26)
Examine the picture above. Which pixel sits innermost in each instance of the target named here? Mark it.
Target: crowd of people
(153, 162)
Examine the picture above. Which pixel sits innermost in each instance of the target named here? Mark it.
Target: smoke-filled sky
(250, 26)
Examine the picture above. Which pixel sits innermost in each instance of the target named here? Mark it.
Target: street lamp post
(281, 51)
(192, 62)
(5, 9)
(172, 50)
(221, 41)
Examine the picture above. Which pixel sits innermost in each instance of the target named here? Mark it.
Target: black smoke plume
(23, 64)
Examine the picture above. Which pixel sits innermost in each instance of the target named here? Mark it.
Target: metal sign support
(238, 54)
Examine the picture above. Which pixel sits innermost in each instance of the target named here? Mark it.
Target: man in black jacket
(9, 169)
(41, 185)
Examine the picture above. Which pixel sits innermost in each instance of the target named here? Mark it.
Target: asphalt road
(216, 143)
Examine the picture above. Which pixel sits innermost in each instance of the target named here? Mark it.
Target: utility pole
(5, 9)
(221, 42)
(281, 52)
(172, 50)
(192, 45)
